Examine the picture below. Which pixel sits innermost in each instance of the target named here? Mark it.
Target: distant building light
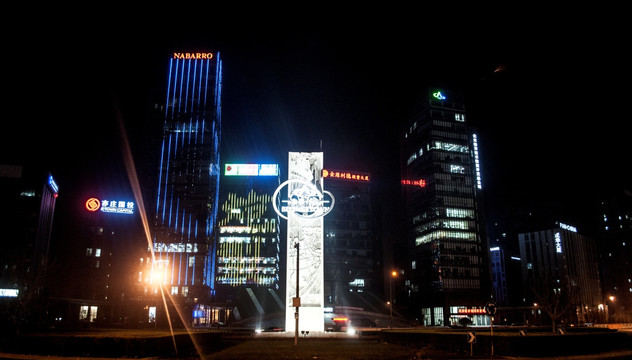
(9, 292)
(494, 249)
(53, 184)
(515, 258)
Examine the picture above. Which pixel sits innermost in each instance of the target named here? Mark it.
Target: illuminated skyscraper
(187, 193)
(446, 267)
(248, 246)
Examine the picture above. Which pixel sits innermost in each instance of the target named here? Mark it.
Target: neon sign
(93, 204)
(193, 56)
(568, 227)
(474, 311)
(110, 206)
(439, 95)
(306, 201)
(251, 170)
(558, 243)
(345, 175)
(420, 182)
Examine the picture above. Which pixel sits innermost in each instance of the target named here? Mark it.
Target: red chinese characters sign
(346, 175)
(420, 182)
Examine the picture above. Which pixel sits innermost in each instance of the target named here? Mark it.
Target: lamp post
(390, 288)
(297, 299)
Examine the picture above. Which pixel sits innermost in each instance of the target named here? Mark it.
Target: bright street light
(390, 286)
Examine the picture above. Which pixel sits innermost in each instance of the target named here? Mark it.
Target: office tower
(248, 248)
(446, 266)
(615, 249)
(26, 218)
(352, 264)
(187, 193)
(559, 269)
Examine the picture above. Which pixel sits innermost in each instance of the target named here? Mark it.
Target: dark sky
(548, 97)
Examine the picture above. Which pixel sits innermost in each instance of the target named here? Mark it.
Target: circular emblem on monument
(304, 200)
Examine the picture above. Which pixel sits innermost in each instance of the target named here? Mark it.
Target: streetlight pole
(390, 289)
(297, 299)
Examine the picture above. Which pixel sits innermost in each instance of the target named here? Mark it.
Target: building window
(97, 252)
(174, 290)
(88, 251)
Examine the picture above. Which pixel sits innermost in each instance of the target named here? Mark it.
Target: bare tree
(555, 303)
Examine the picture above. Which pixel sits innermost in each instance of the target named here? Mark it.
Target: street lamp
(390, 287)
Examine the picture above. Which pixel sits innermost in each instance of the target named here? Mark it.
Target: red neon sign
(346, 175)
(93, 204)
(472, 311)
(420, 182)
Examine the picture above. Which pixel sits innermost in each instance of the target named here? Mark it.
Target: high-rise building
(559, 268)
(614, 237)
(446, 267)
(248, 247)
(352, 258)
(26, 218)
(187, 192)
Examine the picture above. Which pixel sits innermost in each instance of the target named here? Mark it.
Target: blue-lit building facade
(446, 271)
(187, 191)
(248, 274)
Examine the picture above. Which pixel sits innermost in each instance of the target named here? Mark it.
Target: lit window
(185, 291)
(88, 251)
(174, 290)
(457, 169)
(83, 312)
(97, 252)
(413, 265)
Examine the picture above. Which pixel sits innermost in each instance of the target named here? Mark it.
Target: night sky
(549, 99)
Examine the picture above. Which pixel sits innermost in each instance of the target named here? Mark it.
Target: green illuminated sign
(439, 95)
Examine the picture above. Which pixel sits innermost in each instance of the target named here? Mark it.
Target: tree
(555, 303)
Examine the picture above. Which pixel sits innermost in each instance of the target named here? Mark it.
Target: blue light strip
(181, 82)
(162, 155)
(193, 271)
(168, 88)
(193, 85)
(186, 93)
(173, 100)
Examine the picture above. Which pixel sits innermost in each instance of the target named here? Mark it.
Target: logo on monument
(305, 200)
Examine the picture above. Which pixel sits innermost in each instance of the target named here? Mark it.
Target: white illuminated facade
(305, 185)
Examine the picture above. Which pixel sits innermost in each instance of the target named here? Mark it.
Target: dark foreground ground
(384, 345)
